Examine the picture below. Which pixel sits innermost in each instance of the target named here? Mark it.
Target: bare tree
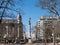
(7, 7)
(48, 32)
(51, 5)
(36, 31)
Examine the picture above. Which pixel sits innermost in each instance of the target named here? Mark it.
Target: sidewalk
(29, 44)
(41, 44)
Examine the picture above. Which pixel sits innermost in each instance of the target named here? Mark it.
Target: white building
(44, 22)
(40, 29)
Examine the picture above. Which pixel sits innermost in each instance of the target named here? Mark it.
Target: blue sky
(30, 10)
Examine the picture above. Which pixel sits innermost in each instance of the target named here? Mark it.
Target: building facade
(46, 25)
(39, 29)
(11, 29)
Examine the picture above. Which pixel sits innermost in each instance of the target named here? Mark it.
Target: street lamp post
(53, 34)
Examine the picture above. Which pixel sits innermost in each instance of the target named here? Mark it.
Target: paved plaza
(42, 44)
(32, 44)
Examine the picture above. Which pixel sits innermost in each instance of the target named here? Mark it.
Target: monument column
(29, 29)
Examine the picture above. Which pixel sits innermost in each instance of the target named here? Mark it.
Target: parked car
(22, 41)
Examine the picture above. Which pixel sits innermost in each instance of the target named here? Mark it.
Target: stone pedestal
(29, 40)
